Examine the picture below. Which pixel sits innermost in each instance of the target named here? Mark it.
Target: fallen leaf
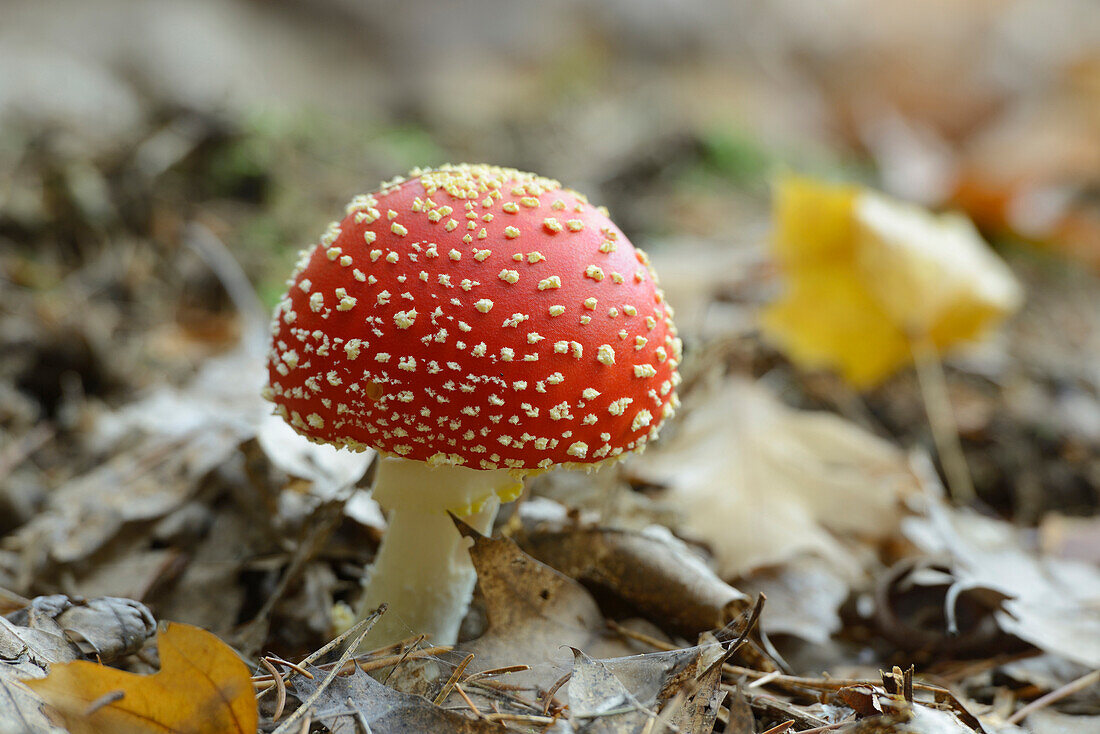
(761, 483)
(653, 571)
(352, 700)
(866, 275)
(20, 710)
(106, 627)
(600, 703)
(620, 694)
(804, 597)
(741, 719)
(202, 688)
(699, 712)
(1052, 603)
(1049, 721)
(533, 611)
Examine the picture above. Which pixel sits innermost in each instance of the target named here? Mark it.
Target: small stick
(520, 718)
(765, 680)
(941, 418)
(641, 637)
(827, 727)
(1080, 684)
(780, 728)
(105, 700)
(261, 681)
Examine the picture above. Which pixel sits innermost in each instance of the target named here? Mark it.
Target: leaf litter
(124, 500)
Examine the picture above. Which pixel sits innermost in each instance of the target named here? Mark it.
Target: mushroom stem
(423, 570)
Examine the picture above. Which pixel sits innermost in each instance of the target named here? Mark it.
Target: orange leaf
(202, 688)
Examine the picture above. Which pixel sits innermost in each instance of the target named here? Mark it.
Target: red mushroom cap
(478, 316)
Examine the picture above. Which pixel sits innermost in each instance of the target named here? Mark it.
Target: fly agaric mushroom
(472, 324)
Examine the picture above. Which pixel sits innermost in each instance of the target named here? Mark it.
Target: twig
(1080, 684)
(764, 680)
(365, 626)
(780, 728)
(105, 700)
(827, 727)
(941, 418)
(521, 718)
(640, 637)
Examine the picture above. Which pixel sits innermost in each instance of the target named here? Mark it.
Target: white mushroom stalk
(423, 570)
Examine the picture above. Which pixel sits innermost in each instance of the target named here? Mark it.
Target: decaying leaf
(351, 701)
(107, 627)
(533, 611)
(20, 710)
(804, 597)
(201, 688)
(1052, 603)
(653, 571)
(761, 483)
(600, 703)
(621, 694)
(867, 274)
(699, 711)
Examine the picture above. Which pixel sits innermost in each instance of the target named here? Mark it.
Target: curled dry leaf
(761, 483)
(201, 688)
(1051, 603)
(107, 628)
(652, 571)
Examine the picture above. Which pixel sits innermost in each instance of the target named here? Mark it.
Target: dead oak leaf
(762, 483)
(202, 688)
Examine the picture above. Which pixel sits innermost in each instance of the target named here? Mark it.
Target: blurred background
(162, 162)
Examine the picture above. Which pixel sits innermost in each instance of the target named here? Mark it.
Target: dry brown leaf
(1051, 603)
(533, 611)
(653, 571)
(761, 483)
(202, 688)
(351, 700)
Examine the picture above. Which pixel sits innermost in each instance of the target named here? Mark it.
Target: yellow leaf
(202, 688)
(828, 320)
(866, 274)
(813, 222)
